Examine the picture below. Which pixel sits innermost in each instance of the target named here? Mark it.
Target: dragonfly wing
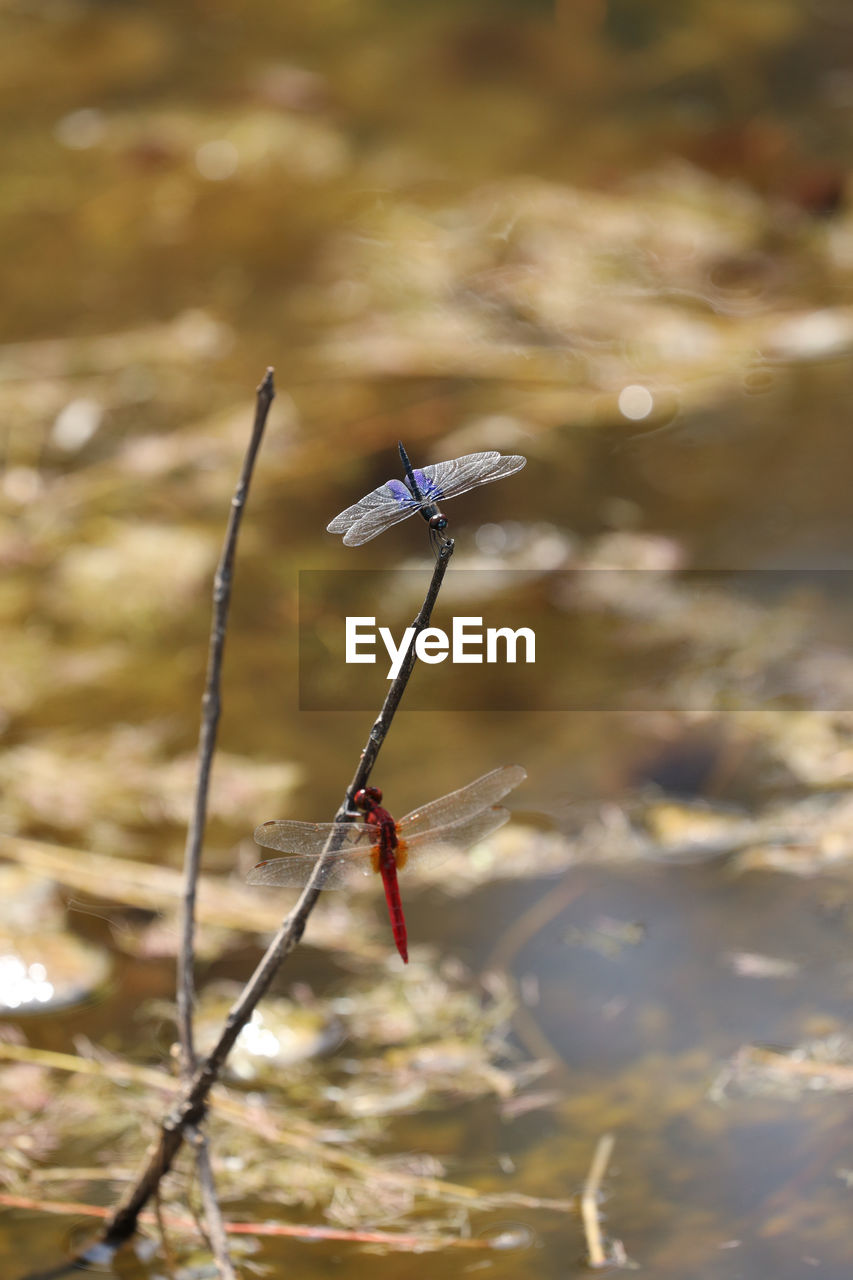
(435, 845)
(342, 870)
(472, 469)
(309, 839)
(377, 521)
(373, 513)
(305, 842)
(346, 519)
(460, 805)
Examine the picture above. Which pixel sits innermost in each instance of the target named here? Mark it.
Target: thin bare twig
(211, 705)
(165, 1242)
(190, 1107)
(408, 1242)
(216, 1234)
(596, 1252)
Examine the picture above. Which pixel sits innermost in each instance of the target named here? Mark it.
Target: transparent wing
(437, 844)
(304, 842)
(344, 870)
(352, 866)
(461, 474)
(376, 522)
(309, 838)
(376, 511)
(459, 806)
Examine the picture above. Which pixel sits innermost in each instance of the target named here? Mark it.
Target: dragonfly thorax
(367, 801)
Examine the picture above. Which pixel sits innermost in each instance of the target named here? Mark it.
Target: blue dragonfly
(422, 490)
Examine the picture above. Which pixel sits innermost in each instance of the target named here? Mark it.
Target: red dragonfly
(379, 844)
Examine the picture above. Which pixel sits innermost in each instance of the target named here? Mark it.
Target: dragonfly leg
(438, 541)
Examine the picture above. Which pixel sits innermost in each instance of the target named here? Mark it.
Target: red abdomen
(386, 864)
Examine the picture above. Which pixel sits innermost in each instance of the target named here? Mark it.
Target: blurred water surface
(612, 237)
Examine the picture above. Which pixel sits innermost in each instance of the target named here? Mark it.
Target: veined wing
(379, 499)
(461, 474)
(305, 842)
(351, 866)
(459, 806)
(377, 522)
(343, 870)
(373, 513)
(309, 838)
(438, 843)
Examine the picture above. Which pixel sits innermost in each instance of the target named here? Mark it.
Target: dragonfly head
(438, 522)
(367, 797)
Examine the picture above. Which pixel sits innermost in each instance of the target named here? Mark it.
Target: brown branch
(211, 705)
(216, 1235)
(190, 1107)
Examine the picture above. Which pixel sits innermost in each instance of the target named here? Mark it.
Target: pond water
(612, 237)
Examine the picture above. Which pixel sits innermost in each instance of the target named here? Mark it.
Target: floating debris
(816, 1066)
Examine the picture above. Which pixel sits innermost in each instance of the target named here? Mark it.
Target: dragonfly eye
(438, 522)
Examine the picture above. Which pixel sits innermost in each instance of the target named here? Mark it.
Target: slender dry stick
(165, 1242)
(211, 705)
(189, 1109)
(596, 1253)
(217, 1237)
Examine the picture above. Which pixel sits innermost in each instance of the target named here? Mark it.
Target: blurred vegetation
(613, 236)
